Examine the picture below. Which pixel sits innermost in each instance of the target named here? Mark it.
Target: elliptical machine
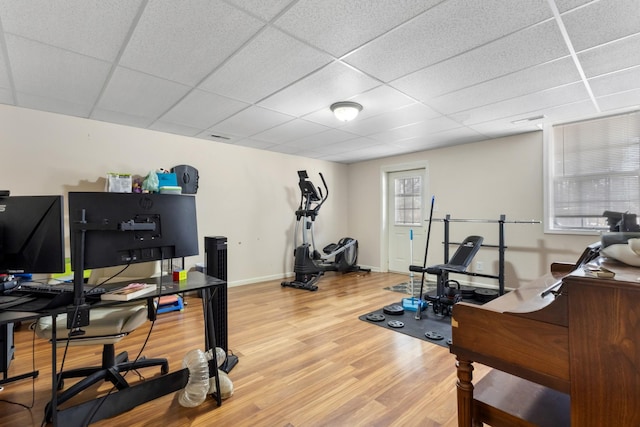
(309, 264)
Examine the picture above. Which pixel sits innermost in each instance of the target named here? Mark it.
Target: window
(592, 167)
(408, 201)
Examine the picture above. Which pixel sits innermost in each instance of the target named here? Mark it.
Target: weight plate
(375, 317)
(467, 291)
(395, 323)
(449, 341)
(433, 335)
(485, 295)
(393, 309)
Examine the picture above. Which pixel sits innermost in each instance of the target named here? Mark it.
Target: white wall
(250, 195)
(473, 181)
(247, 195)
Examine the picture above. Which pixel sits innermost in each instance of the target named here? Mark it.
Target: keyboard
(45, 289)
(42, 296)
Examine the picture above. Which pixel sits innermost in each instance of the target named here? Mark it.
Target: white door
(407, 213)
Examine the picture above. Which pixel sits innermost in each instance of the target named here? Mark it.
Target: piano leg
(465, 393)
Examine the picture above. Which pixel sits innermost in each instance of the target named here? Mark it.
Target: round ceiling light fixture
(346, 111)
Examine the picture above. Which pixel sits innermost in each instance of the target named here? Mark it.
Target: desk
(127, 399)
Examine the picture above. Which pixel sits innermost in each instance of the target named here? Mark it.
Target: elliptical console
(309, 265)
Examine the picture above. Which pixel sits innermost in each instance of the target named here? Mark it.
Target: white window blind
(594, 167)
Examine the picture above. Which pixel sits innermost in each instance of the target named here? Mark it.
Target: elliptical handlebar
(324, 197)
(309, 194)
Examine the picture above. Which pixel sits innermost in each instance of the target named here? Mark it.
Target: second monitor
(113, 229)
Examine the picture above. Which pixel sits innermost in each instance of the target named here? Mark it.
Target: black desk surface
(195, 280)
(17, 316)
(166, 286)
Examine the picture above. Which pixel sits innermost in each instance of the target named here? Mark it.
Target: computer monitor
(31, 234)
(126, 228)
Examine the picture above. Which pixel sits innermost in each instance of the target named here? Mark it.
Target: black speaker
(187, 177)
(215, 250)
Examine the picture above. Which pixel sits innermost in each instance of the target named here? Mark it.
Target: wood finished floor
(304, 360)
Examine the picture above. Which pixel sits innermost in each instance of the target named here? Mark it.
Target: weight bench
(458, 264)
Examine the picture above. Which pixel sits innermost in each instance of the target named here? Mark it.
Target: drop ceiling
(263, 73)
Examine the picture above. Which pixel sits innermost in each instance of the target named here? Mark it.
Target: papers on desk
(131, 291)
(595, 270)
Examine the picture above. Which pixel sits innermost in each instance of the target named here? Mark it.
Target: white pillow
(628, 253)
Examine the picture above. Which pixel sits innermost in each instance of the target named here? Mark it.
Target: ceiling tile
(174, 128)
(565, 5)
(611, 56)
(4, 69)
(372, 152)
(404, 116)
(121, 118)
(621, 81)
(338, 26)
(327, 149)
(601, 22)
(254, 143)
(184, 44)
(6, 96)
(138, 94)
(444, 138)
(53, 105)
(94, 28)
(525, 105)
(427, 127)
(280, 58)
(620, 100)
(360, 143)
(447, 30)
(50, 72)
(532, 46)
(200, 109)
(289, 131)
(265, 9)
(285, 149)
(251, 121)
(335, 82)
(530, 80)
(504, 126)
(321, 139)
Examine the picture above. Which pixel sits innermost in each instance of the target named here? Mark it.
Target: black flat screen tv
(32, 234)
(127, 228)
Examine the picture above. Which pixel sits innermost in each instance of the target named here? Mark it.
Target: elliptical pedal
(300, 285)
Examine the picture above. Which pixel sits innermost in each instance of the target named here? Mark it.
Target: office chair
(108, 325)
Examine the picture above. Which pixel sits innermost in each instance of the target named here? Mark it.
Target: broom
(424, 263)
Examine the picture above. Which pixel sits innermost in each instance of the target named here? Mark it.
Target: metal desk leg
(210, 338)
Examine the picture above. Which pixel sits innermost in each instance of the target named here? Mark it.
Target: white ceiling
(263, 73)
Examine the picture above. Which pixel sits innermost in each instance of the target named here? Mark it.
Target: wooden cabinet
(565, 348)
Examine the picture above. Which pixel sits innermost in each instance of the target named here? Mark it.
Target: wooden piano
(565, 351)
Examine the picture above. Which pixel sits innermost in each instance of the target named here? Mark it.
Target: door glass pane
(408, 200)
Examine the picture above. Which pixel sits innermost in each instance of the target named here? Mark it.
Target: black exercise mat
(429, 322)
